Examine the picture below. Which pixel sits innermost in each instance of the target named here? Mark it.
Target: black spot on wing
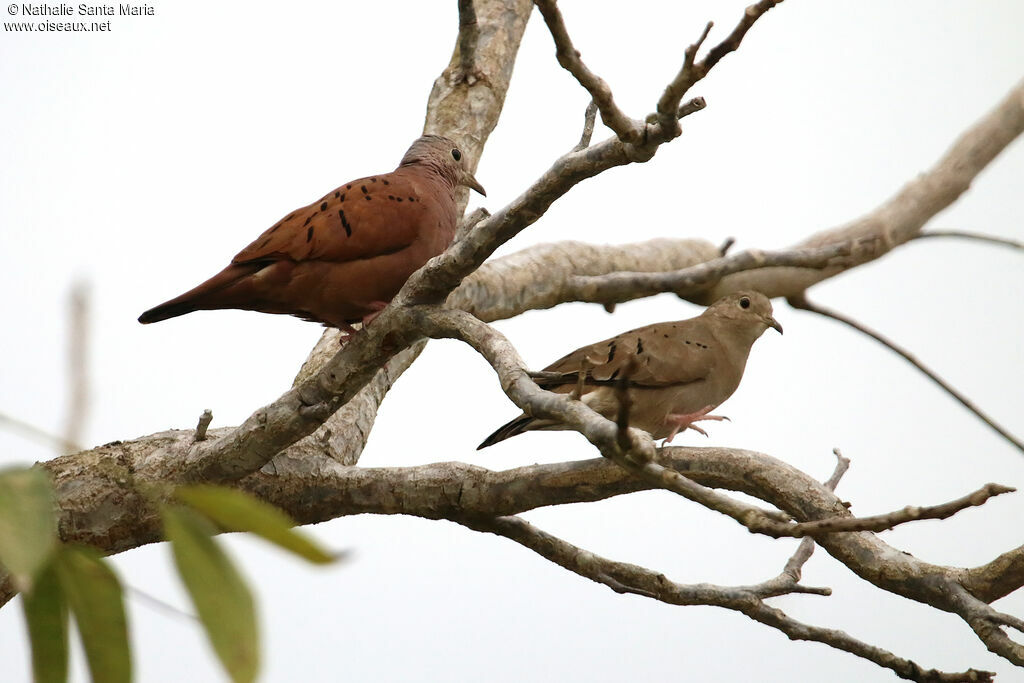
(323, 207)
(639, 345)
(611, 352)
(309, 234)
(344, 223)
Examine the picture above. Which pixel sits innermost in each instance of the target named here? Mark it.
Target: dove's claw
(683, 421)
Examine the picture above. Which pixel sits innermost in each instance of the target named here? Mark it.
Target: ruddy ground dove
(678, 372)
(344, 257)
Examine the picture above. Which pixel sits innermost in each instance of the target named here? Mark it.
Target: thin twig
(568, 56)
(668, 105)
(625, 400)
(78, 374)
(469, 222)
(842, 464)
(976, 236)
(581, 379)
(804, 304)
(691, 107)
(693, 71)
(628, 578)
(589, 118)
(204, 422)
(910, 513)
(31, 431)
(160, 605)
(469, 34)
(794, 567)
(732, 42)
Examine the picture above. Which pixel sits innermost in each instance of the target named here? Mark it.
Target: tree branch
(628, 578)
(633, 449)
(78, 362)
(626, 129)
(901, 217)
(469, 34)
(974, 236)
(589, 117)
(801, 302)
(692, 281)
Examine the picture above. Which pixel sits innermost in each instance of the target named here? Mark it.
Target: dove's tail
(507, 431)
(523, 423)
(170, 309)
(212, 294)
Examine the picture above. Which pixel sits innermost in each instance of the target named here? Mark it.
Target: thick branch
(547, 275)
(435, 281)
(690, 282)
(634, 451)
(901, 218)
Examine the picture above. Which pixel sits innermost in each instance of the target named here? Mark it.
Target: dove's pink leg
(377, 307)
(348, 330)
(682, 422)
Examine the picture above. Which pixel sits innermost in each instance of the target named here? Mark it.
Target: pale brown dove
(681, 371)
(344, 257)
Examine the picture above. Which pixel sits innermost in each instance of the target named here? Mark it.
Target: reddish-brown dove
(341, 259)
(678, 371)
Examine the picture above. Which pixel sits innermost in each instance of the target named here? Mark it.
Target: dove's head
(445, 157)
(751, 308)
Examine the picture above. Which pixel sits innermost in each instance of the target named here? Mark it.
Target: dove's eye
(457, 155)
(744, 302)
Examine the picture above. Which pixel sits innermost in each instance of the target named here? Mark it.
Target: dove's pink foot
(377, 307)
(347, 331)
(682, 422)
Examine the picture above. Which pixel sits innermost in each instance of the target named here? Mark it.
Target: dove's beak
(469, 181)
(772, 322)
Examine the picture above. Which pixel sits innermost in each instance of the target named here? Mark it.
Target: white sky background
(143, 159)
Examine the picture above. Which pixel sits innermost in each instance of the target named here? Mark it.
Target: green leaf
(234, 510)
(96, 599)
(46, 613)
(218, 592)
(28, 527)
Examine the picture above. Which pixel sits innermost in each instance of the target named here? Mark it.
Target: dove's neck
(738, 336)
(430, 168)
